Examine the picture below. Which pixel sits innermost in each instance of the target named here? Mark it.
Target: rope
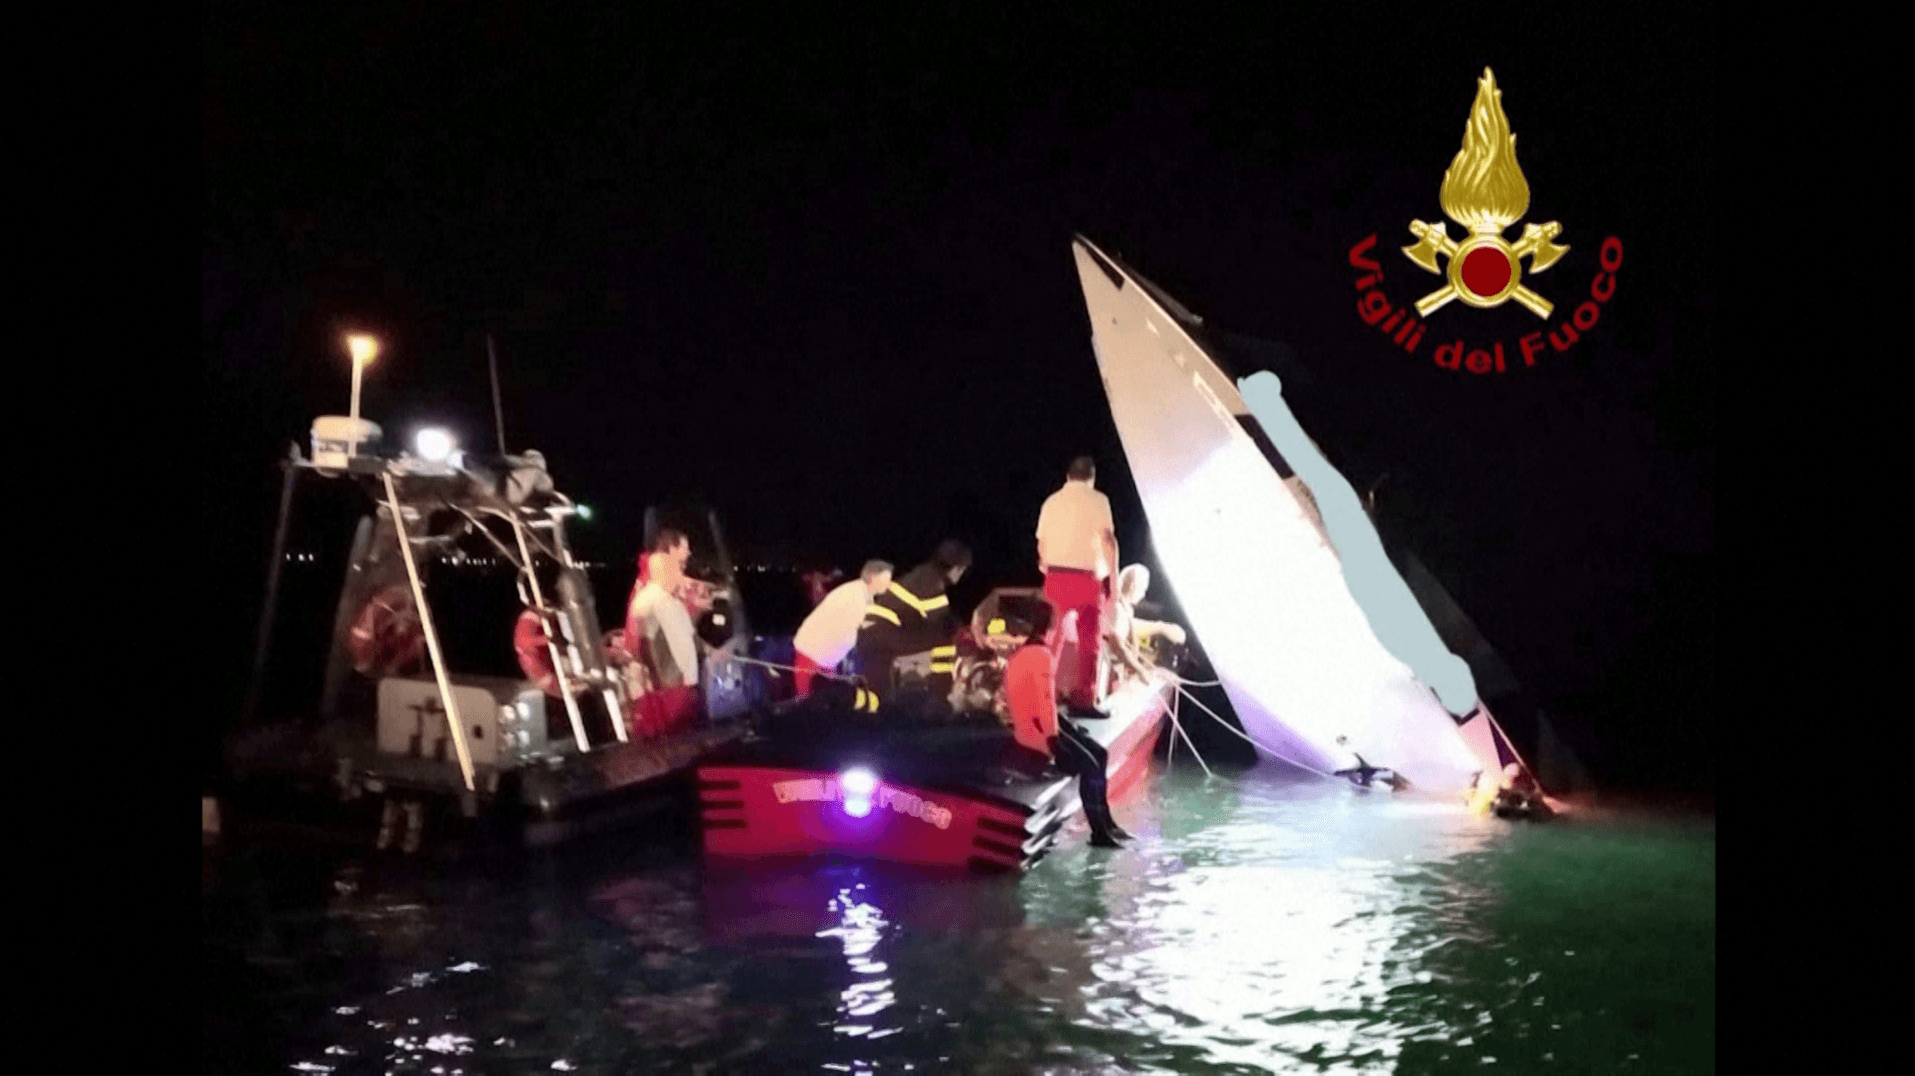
(1183, 684)
(1177, 726)
(1175, 721)
(790, 668)
(1255, 743)
(1144, 668)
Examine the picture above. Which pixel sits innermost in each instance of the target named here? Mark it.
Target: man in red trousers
(1077, 552)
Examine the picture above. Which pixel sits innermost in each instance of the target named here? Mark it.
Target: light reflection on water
(1257, 925)
(1277, 928)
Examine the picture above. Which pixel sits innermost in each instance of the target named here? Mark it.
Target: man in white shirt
(1077, 552)
(1125, 631)
(831, 630)
(660, 633)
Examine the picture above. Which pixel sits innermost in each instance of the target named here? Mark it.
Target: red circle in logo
(1486, 271)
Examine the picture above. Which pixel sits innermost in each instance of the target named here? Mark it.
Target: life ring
(386, 637)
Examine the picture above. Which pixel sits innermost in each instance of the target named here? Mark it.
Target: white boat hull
(1250, 562)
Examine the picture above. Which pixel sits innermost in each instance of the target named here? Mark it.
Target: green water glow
(1258, 924)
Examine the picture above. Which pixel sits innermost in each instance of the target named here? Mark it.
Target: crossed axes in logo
(1536, 244)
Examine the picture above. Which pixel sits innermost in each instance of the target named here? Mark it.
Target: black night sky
(814, 270)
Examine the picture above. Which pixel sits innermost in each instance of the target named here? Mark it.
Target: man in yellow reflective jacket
(914, 616)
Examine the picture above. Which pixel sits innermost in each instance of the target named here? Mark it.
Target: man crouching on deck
(1043, 735)
(913, 616)
(831, 630)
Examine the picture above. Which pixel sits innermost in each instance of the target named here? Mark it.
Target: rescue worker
(1045, 736)
(831, 630)
(912, 616)
(1519, 797)
(1077, 552)
(532, 644)
(658, 629)
(1124, 633)
(665, 561)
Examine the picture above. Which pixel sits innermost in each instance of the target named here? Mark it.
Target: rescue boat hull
(951, 804)
(535, 803)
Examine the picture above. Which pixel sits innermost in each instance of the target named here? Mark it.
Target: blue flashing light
(858, 785)
(858, 781)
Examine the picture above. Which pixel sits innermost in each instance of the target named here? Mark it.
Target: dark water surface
(1260, 923)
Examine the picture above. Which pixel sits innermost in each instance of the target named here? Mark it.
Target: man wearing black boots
(1045, 736)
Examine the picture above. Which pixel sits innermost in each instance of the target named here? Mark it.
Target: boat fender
(386, 637)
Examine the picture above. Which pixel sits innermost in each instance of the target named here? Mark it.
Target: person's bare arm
(1109, 537)
(1043, 524)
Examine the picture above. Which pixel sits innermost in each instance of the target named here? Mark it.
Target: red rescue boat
(827, 781)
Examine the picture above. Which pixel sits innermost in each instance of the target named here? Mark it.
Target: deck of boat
(560, 796)
(943, 795)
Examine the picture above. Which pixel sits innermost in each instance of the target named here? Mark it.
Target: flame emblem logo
(1485, 192)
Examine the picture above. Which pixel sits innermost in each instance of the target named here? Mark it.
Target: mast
(273, 566)
(498, 410)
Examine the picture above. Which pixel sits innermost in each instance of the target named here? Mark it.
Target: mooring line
(1253, 742)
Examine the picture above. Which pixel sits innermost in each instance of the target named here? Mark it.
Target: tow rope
(818, 673)
(1177, 727)
(1184, 691)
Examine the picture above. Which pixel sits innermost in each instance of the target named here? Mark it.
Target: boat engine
(978, 687)
(920, 694)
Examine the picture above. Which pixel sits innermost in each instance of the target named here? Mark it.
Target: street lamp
(364, 348)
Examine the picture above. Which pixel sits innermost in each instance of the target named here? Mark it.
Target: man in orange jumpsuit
(1044, 736)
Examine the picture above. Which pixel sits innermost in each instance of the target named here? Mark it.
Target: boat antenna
(498, 411)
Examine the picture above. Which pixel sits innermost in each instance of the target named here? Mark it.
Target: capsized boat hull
(1250, 560)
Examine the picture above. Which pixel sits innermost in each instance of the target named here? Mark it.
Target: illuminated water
(1257, 925)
